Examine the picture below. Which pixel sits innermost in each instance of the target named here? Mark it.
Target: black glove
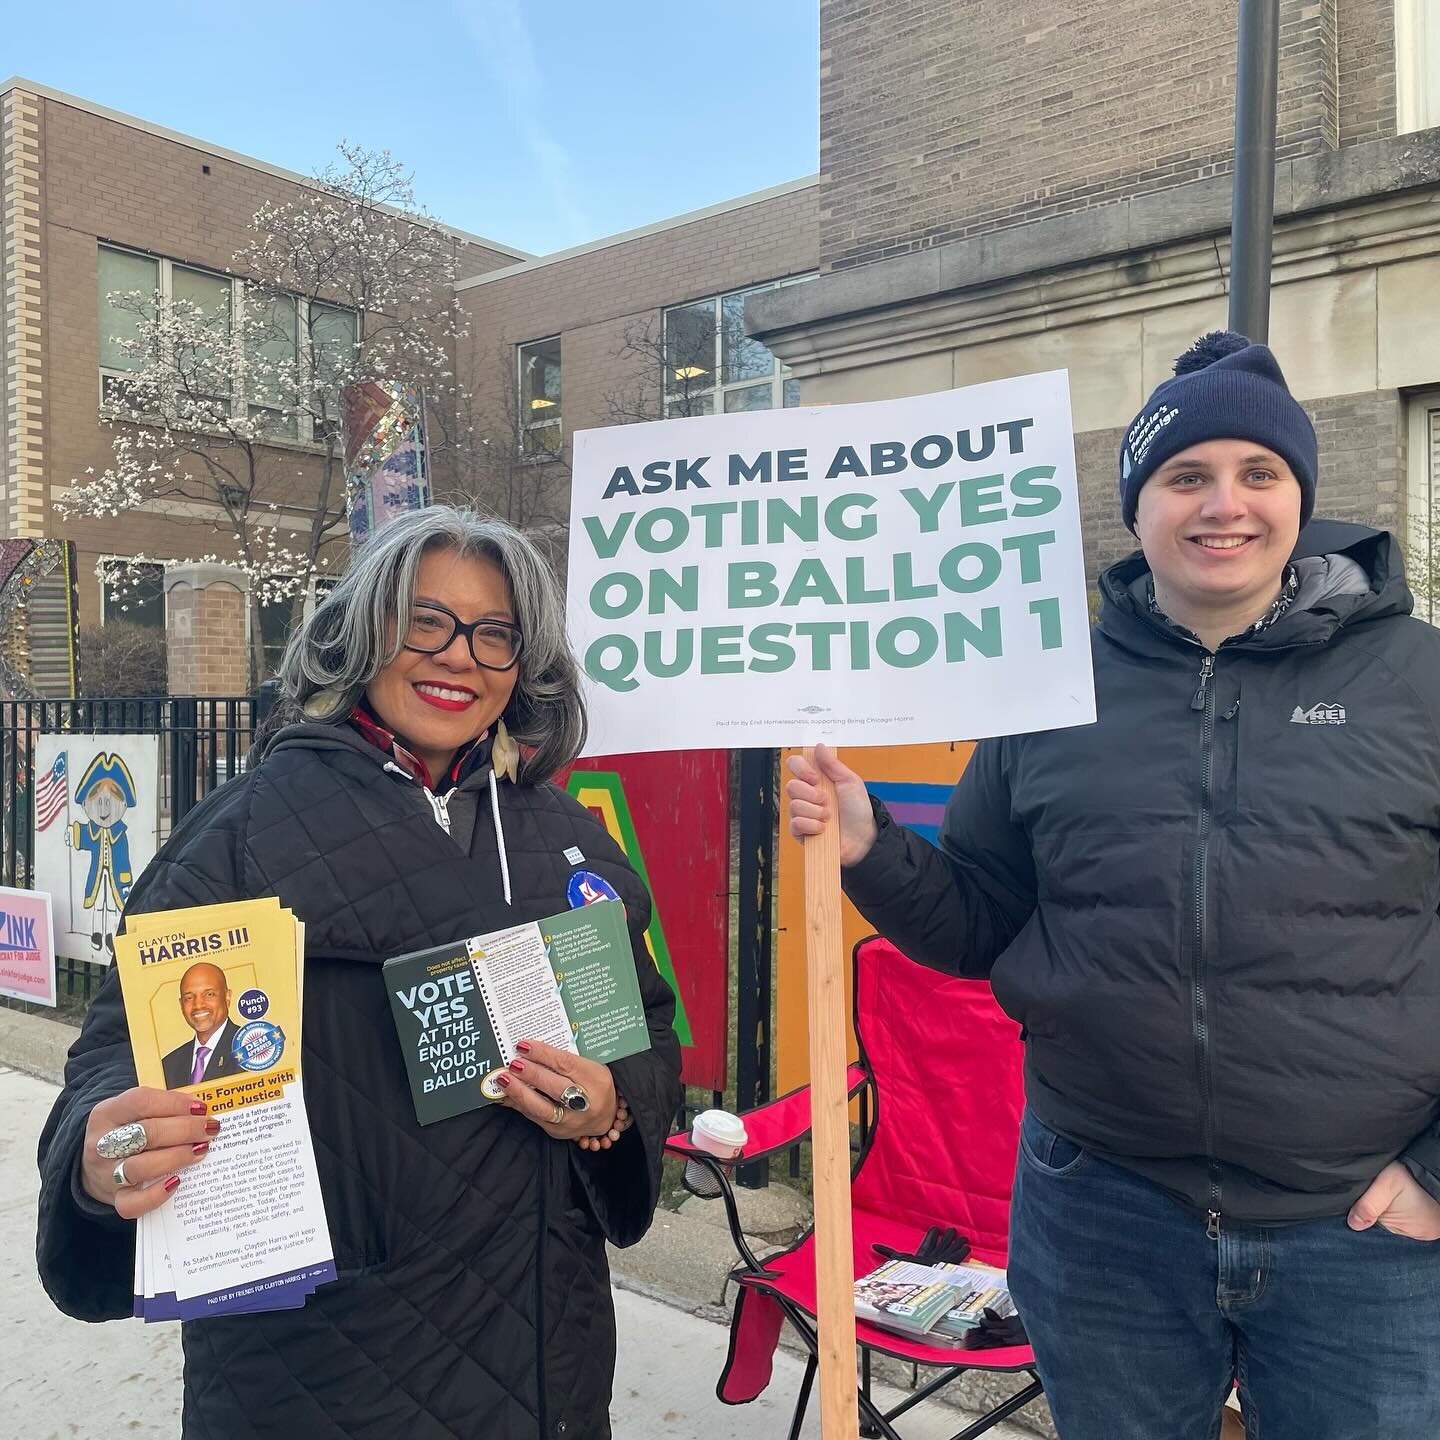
(945, 1246)
(995, 1331)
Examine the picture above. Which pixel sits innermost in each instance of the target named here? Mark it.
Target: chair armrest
(776, 1125)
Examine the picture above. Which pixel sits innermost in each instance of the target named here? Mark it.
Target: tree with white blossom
(226, 418)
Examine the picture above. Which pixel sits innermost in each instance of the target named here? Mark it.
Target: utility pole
(1252, 205)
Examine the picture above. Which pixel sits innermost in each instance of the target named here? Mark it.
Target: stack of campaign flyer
(568, 980)
(939, 1304)
(213, 999)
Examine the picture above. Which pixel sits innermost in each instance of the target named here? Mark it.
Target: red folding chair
(941, 1066)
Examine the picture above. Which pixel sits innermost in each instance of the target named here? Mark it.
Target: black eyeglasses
(494, 644)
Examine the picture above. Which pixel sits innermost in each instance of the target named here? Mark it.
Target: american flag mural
(52, 791)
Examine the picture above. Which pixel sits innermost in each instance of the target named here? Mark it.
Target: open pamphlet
(939, 1303)
(568, 980)
(213, 1000)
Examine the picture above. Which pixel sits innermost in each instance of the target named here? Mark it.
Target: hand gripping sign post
(898, 572)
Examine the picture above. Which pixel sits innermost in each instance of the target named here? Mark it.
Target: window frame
(673, 404)
(113, 559)
(1422, 495)
(162, 280)
(306, 430)
(526, 427)
(312, 598)
(1417, 66)
(305, 325)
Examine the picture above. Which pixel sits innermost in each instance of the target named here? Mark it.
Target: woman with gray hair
(399, 801)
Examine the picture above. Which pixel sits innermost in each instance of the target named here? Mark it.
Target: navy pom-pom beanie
(1224, 388)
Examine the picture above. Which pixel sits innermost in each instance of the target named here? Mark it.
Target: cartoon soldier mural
(105, 793)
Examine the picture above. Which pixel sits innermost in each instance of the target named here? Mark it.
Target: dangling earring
(505, 754)
(324, 704)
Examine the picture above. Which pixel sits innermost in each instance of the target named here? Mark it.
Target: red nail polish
(171, 1183)
(198, 1108)
(517, 1066)
(212, 1127)
(523, 1048)
(201, 1148)
(503, 1081)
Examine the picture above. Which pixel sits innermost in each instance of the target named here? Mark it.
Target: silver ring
(572, 1097)
(118, 1175)
(122, 1142)
(558, 1118)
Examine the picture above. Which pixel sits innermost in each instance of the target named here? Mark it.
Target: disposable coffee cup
(720, 1134)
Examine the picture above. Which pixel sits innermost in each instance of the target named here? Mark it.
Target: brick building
(96, 202)
(93, 202)
(1008, 188)
(638, 326)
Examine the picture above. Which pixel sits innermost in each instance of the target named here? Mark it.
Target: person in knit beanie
(1212, 915)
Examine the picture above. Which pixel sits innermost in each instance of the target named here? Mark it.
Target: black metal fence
(204, 741)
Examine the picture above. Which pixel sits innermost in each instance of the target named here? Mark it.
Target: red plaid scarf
(387, 743)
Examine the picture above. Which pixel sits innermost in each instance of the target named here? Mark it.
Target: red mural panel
(670, 813)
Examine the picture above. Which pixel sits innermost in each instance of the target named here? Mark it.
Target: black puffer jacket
(474, 1296)
(1214, 910)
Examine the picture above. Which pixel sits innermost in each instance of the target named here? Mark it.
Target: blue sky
(540, 125)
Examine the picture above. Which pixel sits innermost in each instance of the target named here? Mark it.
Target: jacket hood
(1349, 575)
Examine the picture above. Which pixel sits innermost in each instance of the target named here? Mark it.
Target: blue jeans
(1141, 1324)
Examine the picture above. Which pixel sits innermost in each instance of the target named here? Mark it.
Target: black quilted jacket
(473, 1297)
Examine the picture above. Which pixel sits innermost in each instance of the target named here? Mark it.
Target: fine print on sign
(888, 573)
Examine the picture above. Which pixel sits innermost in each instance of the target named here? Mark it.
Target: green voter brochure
(460, 1008)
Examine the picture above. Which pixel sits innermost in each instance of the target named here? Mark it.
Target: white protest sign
(896, 572)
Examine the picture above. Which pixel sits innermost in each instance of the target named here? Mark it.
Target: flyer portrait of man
(212, 996)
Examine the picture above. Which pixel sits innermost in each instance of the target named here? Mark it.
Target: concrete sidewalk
(65, 1379)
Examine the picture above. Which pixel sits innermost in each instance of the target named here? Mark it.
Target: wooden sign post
(830, 1129)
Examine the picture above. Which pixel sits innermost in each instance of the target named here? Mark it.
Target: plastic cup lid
(722, 1126)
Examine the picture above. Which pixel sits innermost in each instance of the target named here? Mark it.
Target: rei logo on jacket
(1322, 714)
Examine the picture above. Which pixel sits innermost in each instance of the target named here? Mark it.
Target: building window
(272, 363)
(1422, 547)
(128, 290)
(277, 620)
(541, 427)
(203, 371)
(713, 367)
(290, 342)
(1417, 65)
(132, 592)
(334, 347)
